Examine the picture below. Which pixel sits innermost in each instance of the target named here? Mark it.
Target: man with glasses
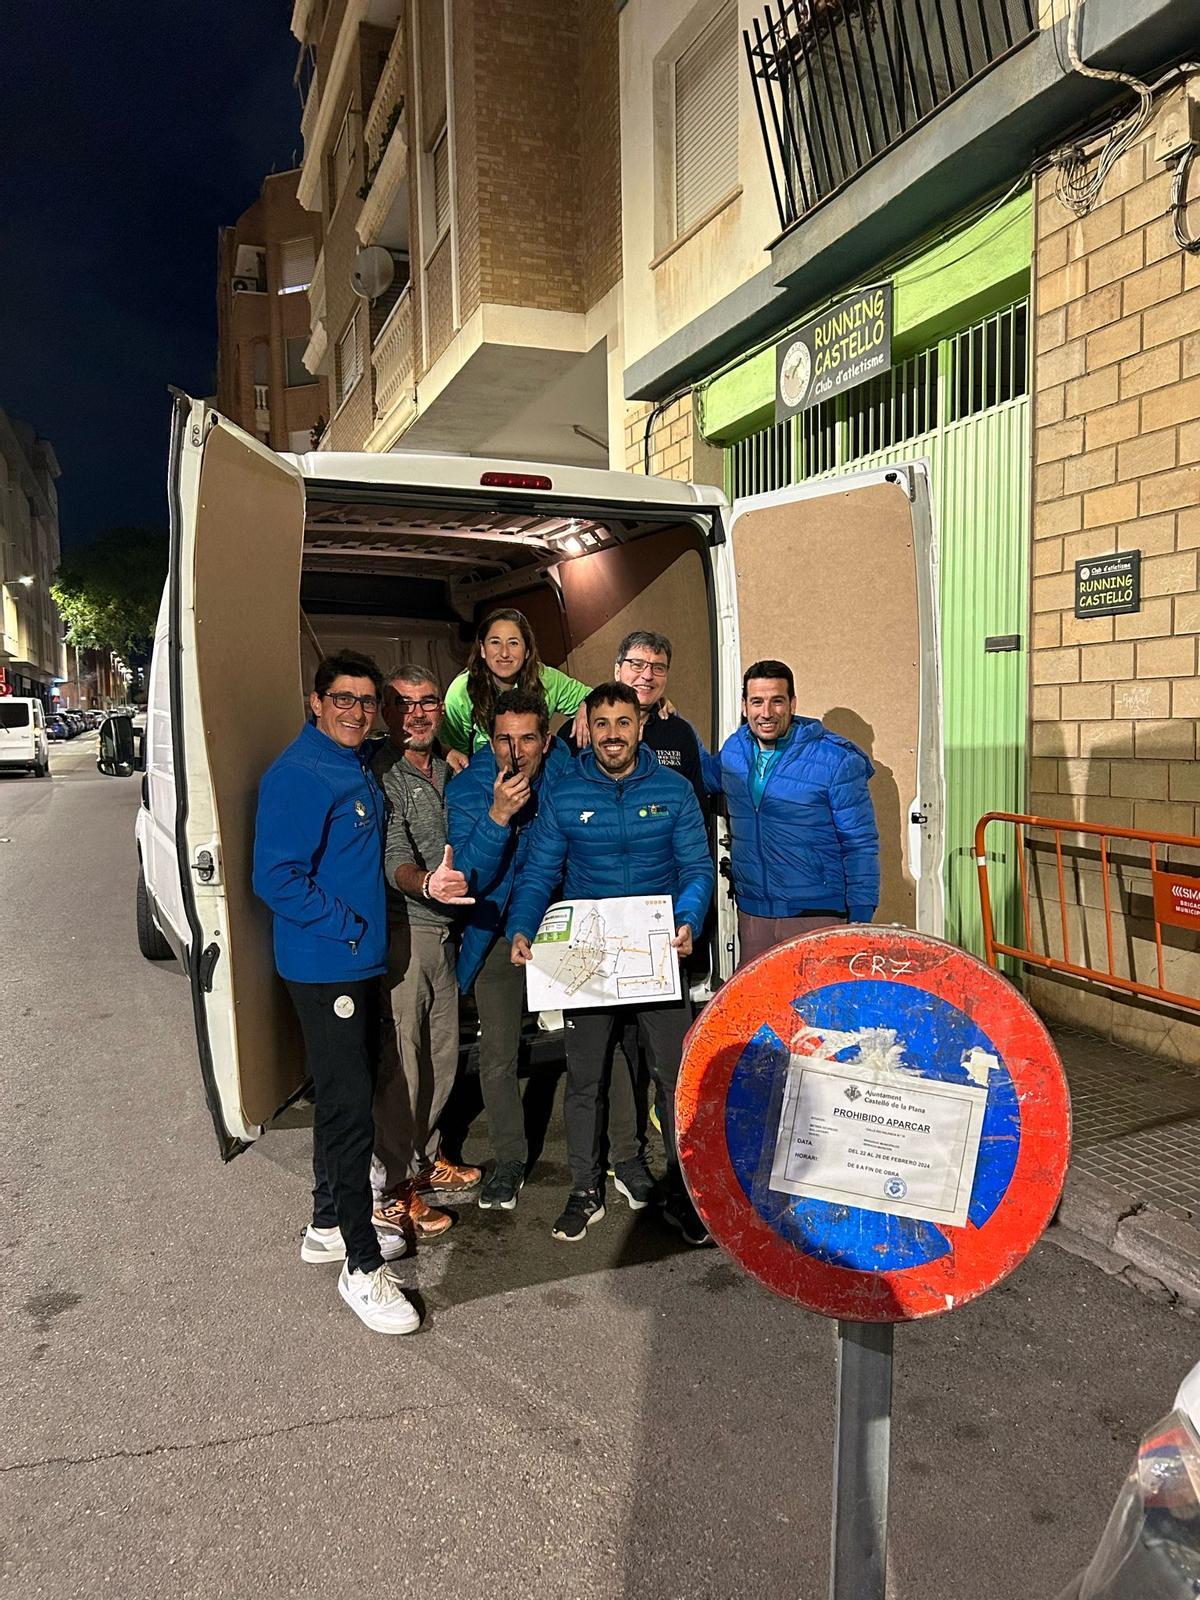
(644, 663)
(318, 849)
(424, 892)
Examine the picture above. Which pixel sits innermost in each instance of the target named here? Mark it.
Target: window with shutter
(441, 185)
(296, 261)
(349, 366)
(706, 108)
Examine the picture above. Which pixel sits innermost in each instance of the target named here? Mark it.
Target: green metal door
(963, 404)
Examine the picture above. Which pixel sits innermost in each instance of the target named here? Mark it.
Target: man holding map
(617, 824)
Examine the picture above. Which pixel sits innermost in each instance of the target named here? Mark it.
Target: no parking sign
(876, 1126)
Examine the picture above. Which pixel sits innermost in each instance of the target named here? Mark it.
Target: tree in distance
(108, 591)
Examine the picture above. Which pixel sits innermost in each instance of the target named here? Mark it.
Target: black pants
(343, 1060)
(592, 1038)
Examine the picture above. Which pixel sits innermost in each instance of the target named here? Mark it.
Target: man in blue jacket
(490, 808)
(318, 864)
(805, 846)
(618, 823)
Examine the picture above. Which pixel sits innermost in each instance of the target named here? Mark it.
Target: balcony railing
(393, 357)
(839, 82)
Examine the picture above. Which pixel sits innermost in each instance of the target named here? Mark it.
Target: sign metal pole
(862, 1446)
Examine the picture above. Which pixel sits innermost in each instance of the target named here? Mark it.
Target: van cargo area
(405, 580)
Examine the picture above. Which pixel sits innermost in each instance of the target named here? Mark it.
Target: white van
(278, 559)
(24, 746)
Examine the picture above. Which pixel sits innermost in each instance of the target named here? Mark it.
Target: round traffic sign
(873, 1123)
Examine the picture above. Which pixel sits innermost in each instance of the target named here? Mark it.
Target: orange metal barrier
(1163, 884)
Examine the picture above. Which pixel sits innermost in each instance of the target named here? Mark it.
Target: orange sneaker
(427, 1222)
(444, 1177)
(413, 1216)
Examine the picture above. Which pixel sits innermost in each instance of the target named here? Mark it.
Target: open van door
(237, 540)
(839, 579)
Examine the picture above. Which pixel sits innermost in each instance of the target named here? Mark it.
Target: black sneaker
(681, 1214)
(583, 1208)
(632, 1179)
(503, 1186)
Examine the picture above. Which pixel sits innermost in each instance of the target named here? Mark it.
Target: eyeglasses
(429, 702)
(343, 701)
(658, 669)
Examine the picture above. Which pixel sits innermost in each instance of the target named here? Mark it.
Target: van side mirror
(116, 758)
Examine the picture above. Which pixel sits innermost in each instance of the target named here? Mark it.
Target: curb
(1153, 1252)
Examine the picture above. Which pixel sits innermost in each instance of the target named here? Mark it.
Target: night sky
(130, 131)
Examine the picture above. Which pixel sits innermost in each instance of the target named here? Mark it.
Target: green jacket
(563, 695)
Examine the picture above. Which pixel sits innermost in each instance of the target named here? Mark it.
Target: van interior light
(515, 480)
(572, 545)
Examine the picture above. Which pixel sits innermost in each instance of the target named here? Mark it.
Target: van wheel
(150, 939)
(42, 770)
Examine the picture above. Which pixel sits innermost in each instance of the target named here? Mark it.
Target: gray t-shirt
(416, 830)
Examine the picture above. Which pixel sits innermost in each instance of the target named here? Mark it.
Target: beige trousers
(419, 1056)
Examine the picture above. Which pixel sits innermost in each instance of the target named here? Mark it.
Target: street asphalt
(191, 1411)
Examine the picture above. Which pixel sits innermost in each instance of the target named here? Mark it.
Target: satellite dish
(373, 272)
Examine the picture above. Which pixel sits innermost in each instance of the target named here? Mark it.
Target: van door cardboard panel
(657, 582)
(249, 541)
(829, 586)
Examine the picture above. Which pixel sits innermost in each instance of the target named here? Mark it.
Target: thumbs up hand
(447, 885)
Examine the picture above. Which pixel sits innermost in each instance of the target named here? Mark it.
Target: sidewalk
(1132, 1199)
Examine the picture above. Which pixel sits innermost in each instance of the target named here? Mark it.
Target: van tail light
(515, 480)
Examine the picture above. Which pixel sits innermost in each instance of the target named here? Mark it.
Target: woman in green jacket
(504, 656)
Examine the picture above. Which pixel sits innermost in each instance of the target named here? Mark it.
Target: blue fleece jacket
(318, 862)
(811, 844)
(643, 834)
(489, 854)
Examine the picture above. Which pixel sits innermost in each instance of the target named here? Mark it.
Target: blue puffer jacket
(812, 843)
(318, 862)
(643, 834)
(490, 856)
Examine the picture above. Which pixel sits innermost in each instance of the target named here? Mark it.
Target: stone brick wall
(1115, 702)
(676, 447)
(599, 148)
(527, 107)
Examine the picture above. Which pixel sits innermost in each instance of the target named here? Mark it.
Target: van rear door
(839, 580)
(237, 538)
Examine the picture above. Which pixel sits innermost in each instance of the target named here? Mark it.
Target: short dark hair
(522, 703)
(769, 669)
(346, 664)
(611, 694)
(658, 642)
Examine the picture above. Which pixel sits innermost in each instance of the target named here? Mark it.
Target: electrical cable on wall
(1185, 239)
(1078, 183)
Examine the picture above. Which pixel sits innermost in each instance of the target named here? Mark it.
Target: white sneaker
(379, 1300)
(327, 1244)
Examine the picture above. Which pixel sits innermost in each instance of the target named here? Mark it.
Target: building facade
(265, 264)
(464, 159)
(977, 164)
(31, 650)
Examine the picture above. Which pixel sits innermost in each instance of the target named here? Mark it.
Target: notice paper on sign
(882, 1140)
(604, 953)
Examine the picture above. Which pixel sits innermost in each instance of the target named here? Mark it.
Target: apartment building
(31, 650)
(970, 182)
(464, 159)
(265, 264)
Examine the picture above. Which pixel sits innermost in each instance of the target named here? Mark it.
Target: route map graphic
(604, 953)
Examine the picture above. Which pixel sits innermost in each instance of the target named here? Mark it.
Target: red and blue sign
(941, 1013)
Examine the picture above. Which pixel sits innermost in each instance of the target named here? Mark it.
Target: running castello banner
(843, 347)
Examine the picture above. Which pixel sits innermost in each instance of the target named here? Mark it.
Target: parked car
(56, 728)
(24, 736)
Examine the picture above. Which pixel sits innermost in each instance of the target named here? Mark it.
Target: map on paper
(604, 953)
